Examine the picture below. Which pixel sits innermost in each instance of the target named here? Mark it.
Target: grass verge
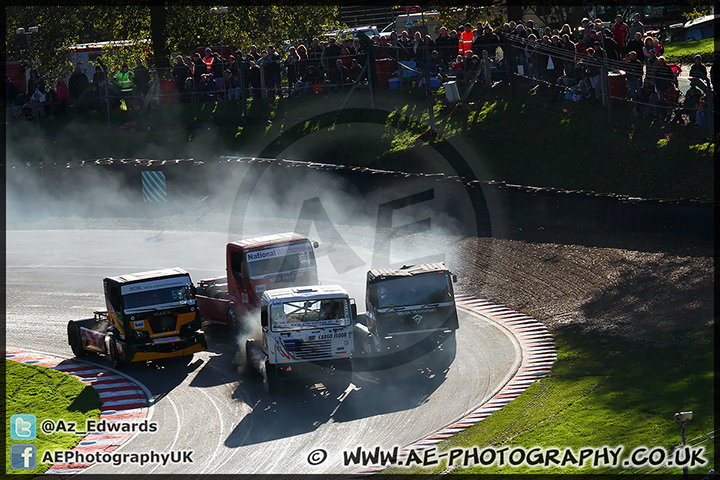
(47, 394)
(684, 52)
(603, 391)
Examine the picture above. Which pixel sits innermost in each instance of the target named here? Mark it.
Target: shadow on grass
(86, 400)
(604, 390)
(653, 342)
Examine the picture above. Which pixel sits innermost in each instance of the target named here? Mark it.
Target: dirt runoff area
(643, 288)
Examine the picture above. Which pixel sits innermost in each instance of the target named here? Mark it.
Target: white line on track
(177, 430)
(248, 429)
(220, 431)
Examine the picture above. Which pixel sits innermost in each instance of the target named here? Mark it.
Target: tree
(172, 29)
(61, 27)
(547, 13)
(700, 8)
(190, 27)
(453, 16)
(158, 33)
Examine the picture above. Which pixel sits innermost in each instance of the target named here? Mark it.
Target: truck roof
(268, 240)
(405, 271)
(152, 274)
(299, 293)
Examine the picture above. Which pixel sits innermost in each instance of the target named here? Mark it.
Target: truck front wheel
(112, 348)
(249, 355)
(75, 340)
(233, 320)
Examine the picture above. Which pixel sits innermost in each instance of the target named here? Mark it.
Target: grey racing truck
(408, 309)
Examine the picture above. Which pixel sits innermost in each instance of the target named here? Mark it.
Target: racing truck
(408, 309)
(307, 333)
(254, 266)
(150, 315)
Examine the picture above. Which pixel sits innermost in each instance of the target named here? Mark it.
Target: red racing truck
(254, 266)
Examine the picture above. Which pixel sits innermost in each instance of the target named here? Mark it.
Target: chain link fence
(649, 90)
(181, 99)
(506, 58)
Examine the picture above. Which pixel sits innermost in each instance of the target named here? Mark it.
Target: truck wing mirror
(264, 317)
(193, 291)
(353, 309)
(454, 278)
(315, 244)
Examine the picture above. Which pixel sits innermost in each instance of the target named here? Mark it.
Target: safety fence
(507, 58)
(154, 181)
(648, 90)
(168, 88)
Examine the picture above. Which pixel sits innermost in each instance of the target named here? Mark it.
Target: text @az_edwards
(49, 427)
(515, 457)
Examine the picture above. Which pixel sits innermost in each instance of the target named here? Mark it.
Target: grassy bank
(604, 392)
(684, 52)
(531, 139)
(47, 394)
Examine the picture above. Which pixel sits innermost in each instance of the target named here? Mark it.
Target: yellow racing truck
(150, 316)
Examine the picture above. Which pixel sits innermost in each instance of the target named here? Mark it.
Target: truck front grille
(309, 350)
(163, 323)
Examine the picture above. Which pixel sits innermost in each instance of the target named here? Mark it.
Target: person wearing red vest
(466, 38)
(208, 59)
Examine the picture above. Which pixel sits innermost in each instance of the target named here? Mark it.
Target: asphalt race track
(210, 405)
(215, 408)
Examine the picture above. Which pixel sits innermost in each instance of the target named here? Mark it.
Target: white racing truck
(307, 333)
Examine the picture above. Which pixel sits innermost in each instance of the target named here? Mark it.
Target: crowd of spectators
(583, 58)
(576, 59)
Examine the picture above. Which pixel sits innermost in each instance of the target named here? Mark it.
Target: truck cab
(150, 315)
(254, 266)
(307, 332)
(407, 306)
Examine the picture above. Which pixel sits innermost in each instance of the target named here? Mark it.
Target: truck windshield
(280, 260)
(417, 290)
(303, 314)
(158, 298)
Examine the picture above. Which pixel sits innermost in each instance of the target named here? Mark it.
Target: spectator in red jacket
(621, 32)
(458, 64)
(62, 96)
